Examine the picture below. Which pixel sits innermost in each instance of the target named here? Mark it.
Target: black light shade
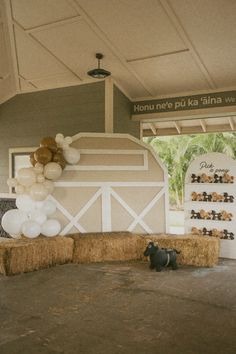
(99, 73)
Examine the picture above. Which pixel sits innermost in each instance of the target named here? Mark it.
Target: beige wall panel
(92, 220)
(156, 216)
(74, 198)
(137, 197)
(119, 216)
(119, 199)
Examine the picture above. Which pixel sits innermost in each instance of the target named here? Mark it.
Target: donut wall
(210, 200)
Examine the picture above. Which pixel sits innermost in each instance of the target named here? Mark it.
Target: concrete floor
(119, 308)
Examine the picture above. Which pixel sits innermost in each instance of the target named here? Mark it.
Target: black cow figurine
(161, 257)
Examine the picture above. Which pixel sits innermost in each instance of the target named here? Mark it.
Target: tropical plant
(177, 152)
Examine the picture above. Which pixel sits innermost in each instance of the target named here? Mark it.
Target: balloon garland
(33, 185)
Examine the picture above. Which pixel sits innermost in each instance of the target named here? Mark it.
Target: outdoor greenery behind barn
(178, 151)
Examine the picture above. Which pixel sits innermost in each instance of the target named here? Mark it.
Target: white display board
(210, 200)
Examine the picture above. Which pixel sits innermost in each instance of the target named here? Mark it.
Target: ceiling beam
(203, 125)
(188, 130)
(231, 123)
(177, 127)
(153, 128)
(157, 56)
(183, 34)
(42, 46)
(99, 32)
(54, 24)
(12, 45)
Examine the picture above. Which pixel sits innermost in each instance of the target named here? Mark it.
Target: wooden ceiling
(152, 47)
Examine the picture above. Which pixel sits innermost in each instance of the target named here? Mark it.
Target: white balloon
(38, 191)
(16, 236)
(38, 216)
(52, 171)
(26, 176)
(25, 203)
(51, 228)
(49, 185)
(12, 182)
(68, 140)
(59, 138)
(48, 207)
(65, 146)
(12, 221)
(31, 229)
(39, 204)
(38, 168)
(71, 155)
(20, 189)
(40, 178)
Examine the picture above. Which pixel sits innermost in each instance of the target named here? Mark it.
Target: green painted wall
(26, 118)
(122, 113)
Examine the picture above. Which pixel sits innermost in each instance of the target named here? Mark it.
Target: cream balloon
(59, 138)
(20, 189)
(38, 191)
(31, 229)
(40, 178)
(71, 155)
(68, 140)
(52, 171)
(12, 182)
(48, 207)
(38, 216)
(49, 185)
(12, 221)
(51, 228)
(25, 203)
(26, 176)
(38, 168)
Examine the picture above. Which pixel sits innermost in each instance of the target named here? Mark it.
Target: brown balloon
(32, 159)
(43, 155)
(49, 143)
(59, 159)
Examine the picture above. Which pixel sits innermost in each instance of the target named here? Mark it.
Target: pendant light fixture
(99, 73)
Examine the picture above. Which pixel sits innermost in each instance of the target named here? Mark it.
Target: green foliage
(177, 152)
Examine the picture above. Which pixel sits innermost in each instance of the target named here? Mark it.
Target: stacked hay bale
(107, 246)
(25, 255)
(200, 251)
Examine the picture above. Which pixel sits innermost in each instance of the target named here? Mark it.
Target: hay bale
(195, 250)
(107, 246)
(26, 255)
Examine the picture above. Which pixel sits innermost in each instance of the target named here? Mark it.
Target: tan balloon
(32, 159)
(59, 159)
(26, 176)
(52, 171)
(49, 185)
(38, 191)
(49, 143)
(43, 155)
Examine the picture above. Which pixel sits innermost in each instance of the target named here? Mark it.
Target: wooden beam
(203, 125)
(178, 128)
(231, 123)
(153, 128)
(188, 130)
(53, 24)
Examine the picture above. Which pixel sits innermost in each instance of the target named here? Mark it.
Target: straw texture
(26, 255)
(108, 246)
(200, 251)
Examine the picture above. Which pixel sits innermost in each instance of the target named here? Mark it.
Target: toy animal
(217, 179)
(161, 257)
(205, 178)
(195, 178)
(226, 178)
(228, 198)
